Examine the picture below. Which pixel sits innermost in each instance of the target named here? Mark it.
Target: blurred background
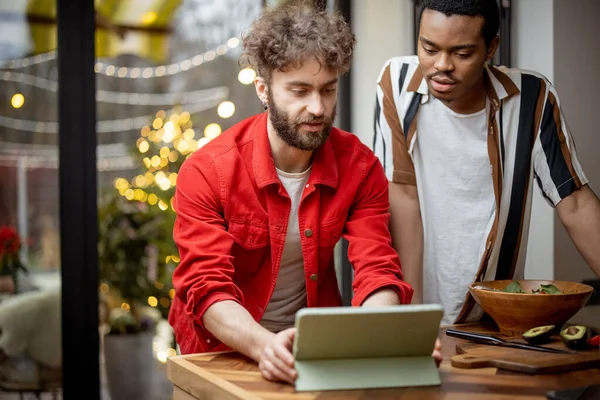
(167, 81)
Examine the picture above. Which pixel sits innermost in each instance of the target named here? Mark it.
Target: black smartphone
(591, 392)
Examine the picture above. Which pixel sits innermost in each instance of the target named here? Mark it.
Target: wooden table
(231, 376)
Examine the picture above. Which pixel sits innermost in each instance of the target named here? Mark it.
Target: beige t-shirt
(290, 290)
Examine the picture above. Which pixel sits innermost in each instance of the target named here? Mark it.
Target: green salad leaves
(515, 287)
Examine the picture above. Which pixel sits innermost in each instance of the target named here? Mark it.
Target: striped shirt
(527, 139)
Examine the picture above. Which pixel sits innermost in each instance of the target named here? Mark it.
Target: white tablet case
(340, 348)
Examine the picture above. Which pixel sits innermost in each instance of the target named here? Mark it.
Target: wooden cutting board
(474, 355)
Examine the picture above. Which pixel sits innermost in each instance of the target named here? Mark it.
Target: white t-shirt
(290, 290)
(456, 196)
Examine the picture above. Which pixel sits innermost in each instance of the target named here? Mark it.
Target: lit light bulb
(17, 100)
(226, 109)
(246, 76)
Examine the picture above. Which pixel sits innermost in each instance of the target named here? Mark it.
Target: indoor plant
(10, 257)
(135, 242)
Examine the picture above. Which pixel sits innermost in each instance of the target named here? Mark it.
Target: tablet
(339, 348)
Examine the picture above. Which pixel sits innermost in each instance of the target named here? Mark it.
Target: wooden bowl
(515, 313)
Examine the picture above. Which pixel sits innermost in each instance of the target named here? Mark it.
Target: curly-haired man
(260, 208)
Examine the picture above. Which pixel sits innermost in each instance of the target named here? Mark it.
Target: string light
(18, 100)
(26, 62)
(246, 76)
(212, 131)
(106, 96)
(226, 109)
(117, 71)
(233, 42)
(119, 163)
(152, 301)
(135, 72)
(117, 125)
(31, 80)
(158, 99)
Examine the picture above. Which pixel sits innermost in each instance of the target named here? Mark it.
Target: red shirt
(232, 215)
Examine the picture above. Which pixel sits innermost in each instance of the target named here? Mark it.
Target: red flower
(10, 242)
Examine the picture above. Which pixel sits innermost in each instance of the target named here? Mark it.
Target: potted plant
(10, 260)
(135, 248)
(136, 253)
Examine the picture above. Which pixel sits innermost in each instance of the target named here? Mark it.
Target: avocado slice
(539, 334)
(575, 336)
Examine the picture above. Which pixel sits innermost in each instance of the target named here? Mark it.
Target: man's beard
(288, 130)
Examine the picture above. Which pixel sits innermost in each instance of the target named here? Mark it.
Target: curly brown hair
(286, 35)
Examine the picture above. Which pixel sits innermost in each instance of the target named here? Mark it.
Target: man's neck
(287, 158)
(472, 101)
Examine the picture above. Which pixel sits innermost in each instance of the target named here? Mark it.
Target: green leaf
(548, 289)
(513, 287)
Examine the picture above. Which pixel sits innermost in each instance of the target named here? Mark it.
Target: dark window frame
(78, 204)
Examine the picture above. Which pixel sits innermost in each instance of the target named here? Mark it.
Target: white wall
(576, 61)
(532, 48)
(383, 29)
(557, 38)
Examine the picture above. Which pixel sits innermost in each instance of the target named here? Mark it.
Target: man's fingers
(283, 344)
(437, 352)
(438, 360)
(282, 352)
(277, 361)
(287, 338)
(289, 334)
(274, 373)
(273, 356)
(267, 375)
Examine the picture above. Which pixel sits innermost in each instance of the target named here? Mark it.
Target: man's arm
(376, 264)
(407, 239)
(382, 297)
(204, 275)
(378, 275)
(233, 325)
(391, 148)
(407, 234)
(562, 180)
(580, 214)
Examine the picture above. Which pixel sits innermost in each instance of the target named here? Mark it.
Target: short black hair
(488, 9)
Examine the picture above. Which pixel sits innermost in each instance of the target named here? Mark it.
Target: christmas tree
(137, 252)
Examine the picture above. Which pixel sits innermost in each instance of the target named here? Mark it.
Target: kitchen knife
(495, 341)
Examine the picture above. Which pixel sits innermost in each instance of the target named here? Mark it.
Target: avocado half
(539, 334)
(575, 336)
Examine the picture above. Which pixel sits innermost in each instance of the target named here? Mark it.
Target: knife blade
(496, 341)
